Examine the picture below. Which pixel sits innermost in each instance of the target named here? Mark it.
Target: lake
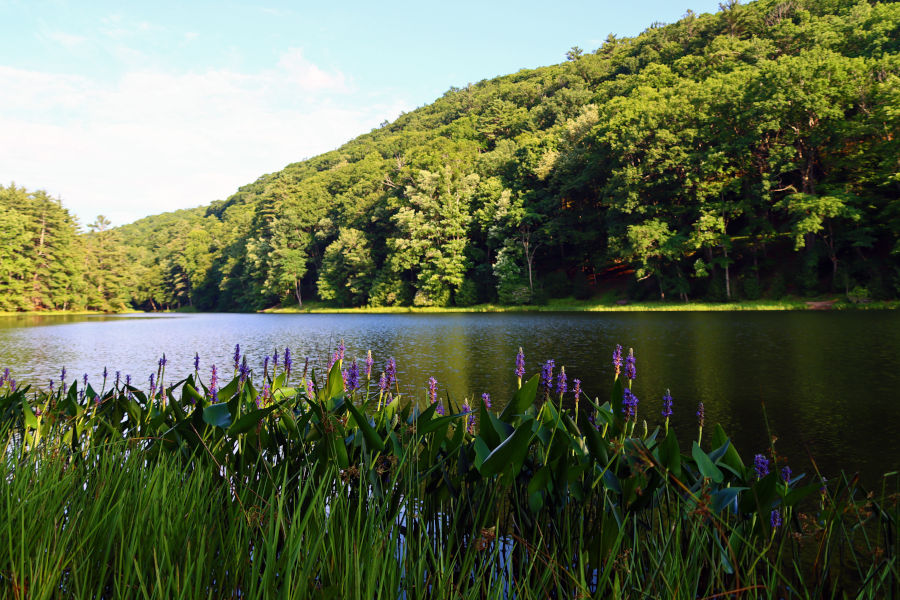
(830, 382)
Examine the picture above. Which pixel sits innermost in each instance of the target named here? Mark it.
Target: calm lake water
(830, 382)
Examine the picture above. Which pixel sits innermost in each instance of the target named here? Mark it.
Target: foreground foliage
(198, 490)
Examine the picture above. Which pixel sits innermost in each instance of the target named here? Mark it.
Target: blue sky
(128, 109)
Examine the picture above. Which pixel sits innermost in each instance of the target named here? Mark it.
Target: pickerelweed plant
(536, 498)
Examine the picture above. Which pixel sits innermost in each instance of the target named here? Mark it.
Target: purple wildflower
(214, 385)
(62, 376)
(761, 466)
(244, 371)
(486, 398)
(128, 380)
(577, 389)
(701, 414)
(351, 377)
(288, 362)
(775, 519)
(383, 384)
(5, 376)
(105, 374)
(617, 359)
(629, 404)
(12, 386)
(196, 361)
(275, 361)
(237, 356)
(51, 384)
(310, 388)
(369, 363)
(85, 379)
(118, 378)
(152, 386)
(667, 404)
(265, 367)
(630, 369)
(432, 390)
(520, 363)
(341, 350)
(561, 383)
(391, 371)
(440, 409)
(547, 375)
(470, 417)
(786, 474)
(162, 362)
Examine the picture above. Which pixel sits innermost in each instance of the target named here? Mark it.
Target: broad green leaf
(706, 466)
(510, 453)
(373, 440)
(522, 400)
(217, 415)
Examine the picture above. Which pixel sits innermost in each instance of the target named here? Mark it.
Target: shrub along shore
(290, 483)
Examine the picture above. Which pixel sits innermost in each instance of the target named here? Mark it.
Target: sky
(128, 109)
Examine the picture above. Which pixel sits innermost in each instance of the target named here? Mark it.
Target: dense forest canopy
(747, 153)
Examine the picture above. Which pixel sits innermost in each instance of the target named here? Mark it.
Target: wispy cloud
(156, 140)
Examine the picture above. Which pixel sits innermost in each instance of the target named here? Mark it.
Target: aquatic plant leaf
(522, 400)
(731, 458)
(706, 466)
(252, 418)
(725, 497)
(509, 454)
(217, 415)
(373, 440)
(670, 454)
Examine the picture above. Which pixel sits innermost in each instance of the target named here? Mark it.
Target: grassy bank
(64, 313)
(289, 484)
(572, 305)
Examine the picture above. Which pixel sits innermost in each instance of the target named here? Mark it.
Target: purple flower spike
(701, 414)
(244, 371)
(105, 373)
(288, 362)
(391, 371)
(486, 398)
(265, 366)
(12, 387)
(128, 380)
(383, 384)
(470, 418)
(617, 359)
(786, 474)
(667, 405)
(163, 361)
(62, 376)
(351, 377)
(275, 360)
(630, 369)
(310, 388)
(237, 356)
(369, 363)
(629, 404)
(152, 386)
(432, 390)
(85, 379)
(520, 363)
(440, 409)
(561, 383)
(775, 519)
(118, 377)
(761, 466)
(214, 384)
(341, 350)
(577, 389)
(547, 375)
(196, 361)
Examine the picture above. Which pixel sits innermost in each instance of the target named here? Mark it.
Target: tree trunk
(297, 293)
(727, 274)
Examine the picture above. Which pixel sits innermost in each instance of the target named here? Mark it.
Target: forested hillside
(753, 152)
(47, 264)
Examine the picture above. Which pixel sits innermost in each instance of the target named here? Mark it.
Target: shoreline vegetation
(555, 305)
(572, 305)
(268, 484)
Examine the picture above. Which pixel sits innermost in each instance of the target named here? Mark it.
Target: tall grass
(340, 493)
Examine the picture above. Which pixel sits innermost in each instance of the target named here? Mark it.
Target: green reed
(331, 492)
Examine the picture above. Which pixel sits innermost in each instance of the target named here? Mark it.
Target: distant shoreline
(597, 306)
(564, 305)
